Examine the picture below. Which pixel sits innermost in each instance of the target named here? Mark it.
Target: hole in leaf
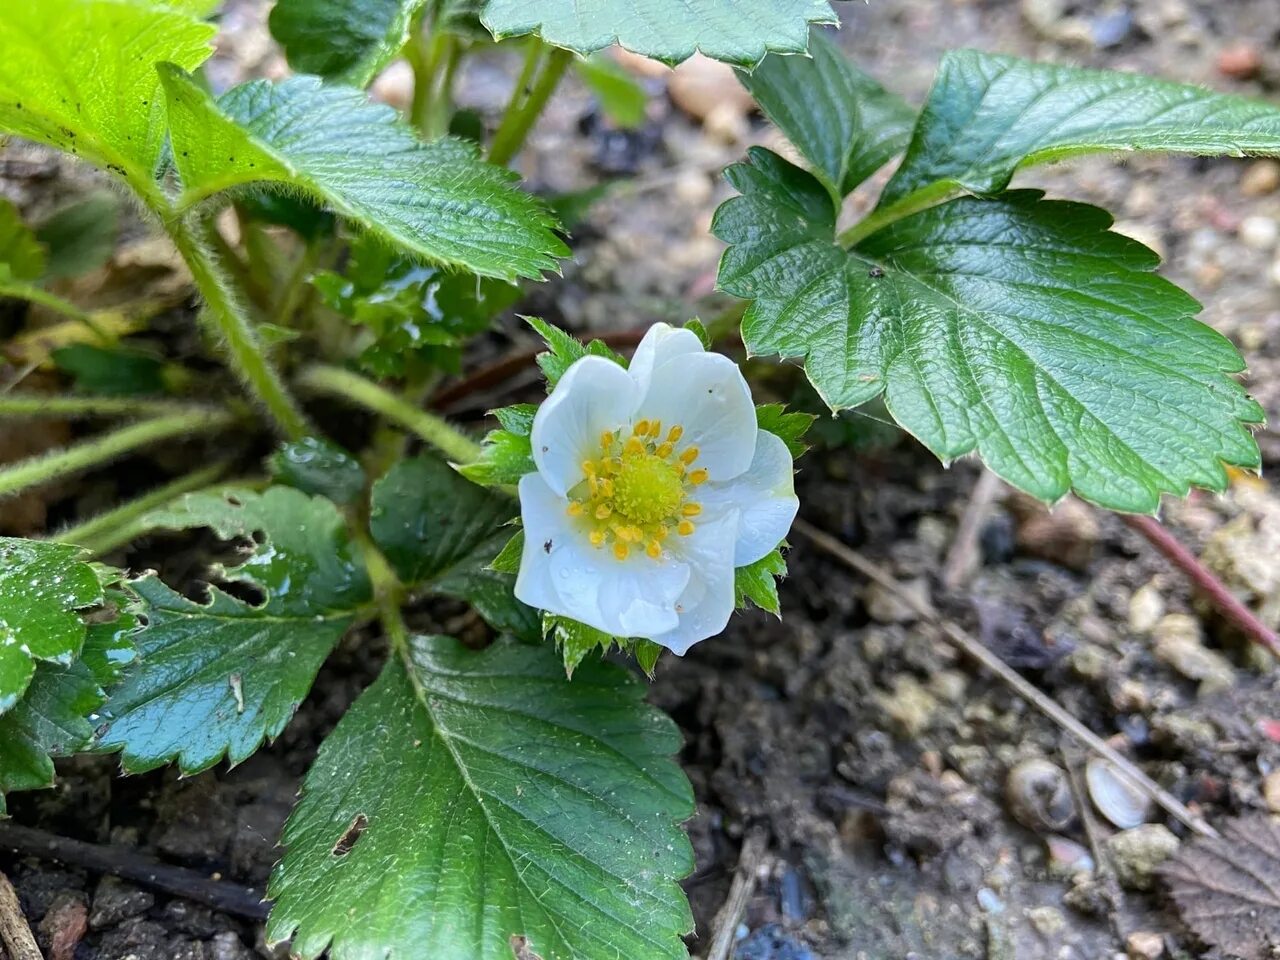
(346, 843)
(521, 949)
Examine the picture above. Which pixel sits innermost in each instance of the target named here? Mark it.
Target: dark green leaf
(80, 75)
(736, 31)
(439, 529)
(50, 721)
(788, 426)
(82, 235)
(469, 799)
(44, 587)
(110, 371)
(22, 257)
(843, 121)
(317, 466)
(621, 96)
(344, 40)
(988, 115)
(437, 201)
(758, 582)
(1018, 327)
(215, 679)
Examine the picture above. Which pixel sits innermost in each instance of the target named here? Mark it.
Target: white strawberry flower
(653, 484)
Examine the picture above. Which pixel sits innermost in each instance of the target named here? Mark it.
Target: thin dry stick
(962, 558)
(976, 651)
(1101, 864)
(1223, 599)
(15, 934)
(744, 884)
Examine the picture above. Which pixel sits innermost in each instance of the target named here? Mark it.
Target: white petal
(593, 396)
(546, 529)
(707, 602)
(663, 342)
(765, 496)
(635, 597)
(706, 394)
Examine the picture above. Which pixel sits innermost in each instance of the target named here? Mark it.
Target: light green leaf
(50, 721)
(471, 799)
(217, 678)
(621, 96)
(505, 457)
(736, 31)
(22, 256)
(843, 121)
(575, 640)
(80, 75)
(988, 115)
(758, 582)
(344, 40)
(508, 558)
(82, 235)
(789, 426)
(564, 350)
(438, 201)
(1018, 327)
(440, 530)
(44, 587)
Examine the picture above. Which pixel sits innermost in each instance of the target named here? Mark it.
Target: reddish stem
(1222, 599)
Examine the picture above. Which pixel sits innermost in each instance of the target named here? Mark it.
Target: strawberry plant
(522, 799)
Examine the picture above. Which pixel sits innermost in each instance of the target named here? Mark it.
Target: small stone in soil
(1135, 854)
(1144, 945)
(116, 901)
(1260, 178)
(771, 942)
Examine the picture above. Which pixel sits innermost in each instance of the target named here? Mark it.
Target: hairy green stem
(91, 453)
(116, 527)
(33, 294)
(39, 405)
(226, 319)
(437, 431)
(523, 111)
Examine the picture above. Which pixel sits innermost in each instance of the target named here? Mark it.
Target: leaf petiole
(528, 99)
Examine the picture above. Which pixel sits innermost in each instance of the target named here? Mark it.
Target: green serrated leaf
(736, 31)
(517, 418)
(439, 529)
(840, 119)
(469, 799)
(438, 201)
(22, 256)
(758, 582)
(344, 40)
(108, 645)
(1018, 327)
(82, 235)
(508, 558)
(647, 654)
(574, 640)
(80, 75)
(216, 679)
(988, 115)
(622, 98)
(50, 721)
(700, 331)
(318, 466)
(44, 587)
(789, 426)
(564, 350)
(110, 371)
(505, 457)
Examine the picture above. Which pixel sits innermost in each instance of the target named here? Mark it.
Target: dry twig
(15, 934)
(744, 884)
(976, 651)
(962, 558)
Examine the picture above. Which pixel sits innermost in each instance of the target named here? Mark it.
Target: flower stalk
(524, 109)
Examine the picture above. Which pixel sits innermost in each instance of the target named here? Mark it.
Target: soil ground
(872, 758)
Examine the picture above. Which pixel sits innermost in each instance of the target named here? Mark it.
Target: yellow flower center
(638, 491)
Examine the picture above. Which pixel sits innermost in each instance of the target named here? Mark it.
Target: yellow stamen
(689, 455)
(606, 440)
(593, 484)
(641, 428)
(685, 528)
(655, 428)
(603, 511)
(588, 468)
(662, 532)
(620, 550)
(675, 433)
(691, 509)
(654, 549)
(634, 446)
(664, 450)
(575, 508)
(699, 476)
(596, 537)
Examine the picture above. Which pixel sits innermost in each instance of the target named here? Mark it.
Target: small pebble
(1146, 607)
(1259, 232)
(1135, 854)
(1144, 945)
(1048, 921)
(1179, 643)
(1260, 178)
(1271, 791)
(1240, 61)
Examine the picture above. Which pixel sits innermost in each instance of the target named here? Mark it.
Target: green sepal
(563, 351)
